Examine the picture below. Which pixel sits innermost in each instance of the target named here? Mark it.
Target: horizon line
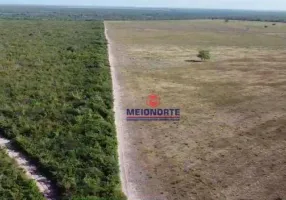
(142, 7)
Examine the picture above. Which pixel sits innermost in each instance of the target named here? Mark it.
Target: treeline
(56, 104)
(96, 13)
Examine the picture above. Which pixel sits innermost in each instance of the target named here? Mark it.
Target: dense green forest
(13, 184)
(56, 104)
(104, 13)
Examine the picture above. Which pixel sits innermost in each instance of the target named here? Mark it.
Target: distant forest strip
(56, 104)
(104, 13)
(13, 183)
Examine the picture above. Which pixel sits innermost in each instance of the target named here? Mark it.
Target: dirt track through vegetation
(45, 186)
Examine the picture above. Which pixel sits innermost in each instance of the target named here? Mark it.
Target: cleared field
(231, 141)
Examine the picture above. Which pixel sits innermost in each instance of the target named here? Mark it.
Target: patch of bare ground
(231, 139)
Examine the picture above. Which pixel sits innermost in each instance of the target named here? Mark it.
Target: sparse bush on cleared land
(204, 55)
(56, 104)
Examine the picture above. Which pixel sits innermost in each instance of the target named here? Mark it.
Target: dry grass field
(231, 141)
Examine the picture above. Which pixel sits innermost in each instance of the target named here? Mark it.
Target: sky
(209, 4)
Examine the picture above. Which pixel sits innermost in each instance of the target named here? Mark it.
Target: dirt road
(118, 116)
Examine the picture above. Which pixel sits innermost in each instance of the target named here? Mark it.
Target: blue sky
(231, 4)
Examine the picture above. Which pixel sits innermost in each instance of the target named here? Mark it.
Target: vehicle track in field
(44, 185)
(120, 128)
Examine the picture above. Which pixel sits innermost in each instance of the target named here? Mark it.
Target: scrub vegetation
(204, 55)
(56, 104)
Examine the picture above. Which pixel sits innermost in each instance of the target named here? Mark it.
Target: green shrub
(204, 55)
